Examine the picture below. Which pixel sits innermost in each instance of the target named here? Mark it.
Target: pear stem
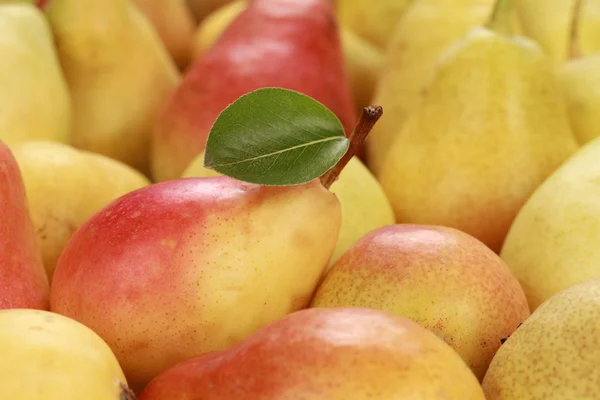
(574, 50)
(369, 116)
(500, 21)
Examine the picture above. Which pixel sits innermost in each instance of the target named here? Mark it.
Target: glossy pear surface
(198, 264)
(491, 127)
(65, 187)
(552, 244)
(441, 278)
(554, 355)
(23, 280)
(325, 354)
(272, 43)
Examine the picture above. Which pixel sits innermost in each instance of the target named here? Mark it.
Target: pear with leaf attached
(119, 75)
(272, 43)
(202, 263)
(490, 129)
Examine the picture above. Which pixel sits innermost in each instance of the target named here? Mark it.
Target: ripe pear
(65, 187)
(491, 127)
(550, 24)
(34, 100)
(580, 80)
(554, 355)
(175, 25)
(119, 74)
(46, 356)
(363, 202)
(23, 280)
(272, 43)
(325, 354)
(552, 242)
(424, 273)
(198, 264)
(363, 60)
(426, 30)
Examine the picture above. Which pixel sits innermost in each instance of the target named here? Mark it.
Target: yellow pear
(34, 100)
(174, 23)
(491, 127)
(119, 74)
(580, 79)
(46, 356)
(554, 355)
(372, 20)
(65, 187)
(552, 243)
(427, 28)
(364, 204)
(549, 23)
(363, 60)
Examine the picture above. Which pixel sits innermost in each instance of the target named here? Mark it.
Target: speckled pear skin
(292, 44)
(325, 354)
(491, 128)
(188, 266)
(23, 280)
(555, 354)
(443, 279)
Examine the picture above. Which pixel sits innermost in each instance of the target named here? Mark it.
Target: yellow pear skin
(363, 60)
(439, 277)
(552, 243)
(554, 355)
(34, 100)
(580, 80)
(491, 128)
(65, 187)
(119, 74)
(364, 204)
(426, 30)
(372, 20)
(174, 23)
(550, 24)
(46, 356)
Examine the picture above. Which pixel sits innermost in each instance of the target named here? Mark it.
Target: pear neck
(501, 19)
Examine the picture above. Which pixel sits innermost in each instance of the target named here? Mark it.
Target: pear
(552, 242)
(325, 354)
(119, 74)
(34, 100)
(23, 281)
(422, 273)
(491, 127)
(174, 23)
(272, 43)
(426, 30)
(554, 355)
(549, 23)
(46, 356)
(199, 264)
(65, 187)
(364, 204)
(363, 60)
(372, 21)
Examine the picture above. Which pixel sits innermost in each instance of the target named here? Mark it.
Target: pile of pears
(299, 199)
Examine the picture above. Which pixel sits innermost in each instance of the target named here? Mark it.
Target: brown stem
(369, 116)
(574, 50)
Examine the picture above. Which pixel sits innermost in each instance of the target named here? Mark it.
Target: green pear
(491, 127)
(427, 28)
(34, 100)
(554, 355)
(119, 74)
(364, 204)
(552, 243)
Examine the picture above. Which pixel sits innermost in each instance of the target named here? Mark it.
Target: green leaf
(275, 136)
